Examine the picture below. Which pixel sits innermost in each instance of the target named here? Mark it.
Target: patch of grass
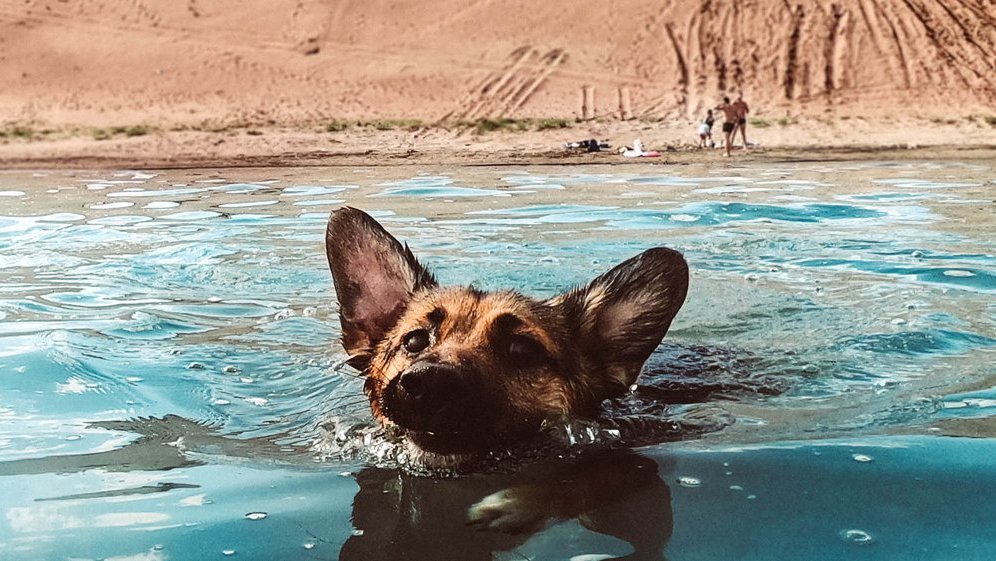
(133, 130)
(337, 126)
(548, 124)
(990, 119)
(394, 124)
(786, 121)
(254, 132)
(137, 130)
(759, 122)
(484, 126)
(99, 133)
(21, 131)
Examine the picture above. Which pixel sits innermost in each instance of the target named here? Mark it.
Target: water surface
(202, 299)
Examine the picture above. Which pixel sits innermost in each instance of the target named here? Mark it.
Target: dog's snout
(433, 385)
(413, 385)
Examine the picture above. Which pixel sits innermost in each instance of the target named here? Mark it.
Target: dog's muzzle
(439, 398)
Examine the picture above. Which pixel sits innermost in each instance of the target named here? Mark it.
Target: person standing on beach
(729, 120)
(741, 108)
(705, 131)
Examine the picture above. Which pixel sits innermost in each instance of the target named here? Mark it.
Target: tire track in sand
(503, 92)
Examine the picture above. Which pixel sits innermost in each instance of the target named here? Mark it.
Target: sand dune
(170, 62)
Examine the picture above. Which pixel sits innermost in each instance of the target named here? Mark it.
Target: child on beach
(705, 131)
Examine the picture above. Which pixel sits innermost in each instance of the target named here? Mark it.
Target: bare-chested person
(741, 108)
(729, 121)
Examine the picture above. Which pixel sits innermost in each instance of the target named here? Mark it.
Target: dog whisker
(359, 402)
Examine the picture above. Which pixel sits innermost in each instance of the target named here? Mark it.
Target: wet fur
(494, 365)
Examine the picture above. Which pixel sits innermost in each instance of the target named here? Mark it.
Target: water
(168, 358)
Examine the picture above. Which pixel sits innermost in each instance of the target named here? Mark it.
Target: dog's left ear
(621, 316)
(375, 277)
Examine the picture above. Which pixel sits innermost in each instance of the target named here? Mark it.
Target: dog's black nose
(413, 385)
(431, 387)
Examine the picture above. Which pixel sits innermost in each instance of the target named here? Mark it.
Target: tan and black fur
(460, 371)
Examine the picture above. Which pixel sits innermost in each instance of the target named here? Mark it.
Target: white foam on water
(248, 204)
(192, 215)
(157, 205)
(110, 206)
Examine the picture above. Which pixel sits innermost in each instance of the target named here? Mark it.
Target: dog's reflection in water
(403, 516)
(400, 516)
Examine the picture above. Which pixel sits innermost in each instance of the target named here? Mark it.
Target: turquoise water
(169, 359)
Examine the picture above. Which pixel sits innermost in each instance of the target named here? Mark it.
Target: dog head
(462, 371)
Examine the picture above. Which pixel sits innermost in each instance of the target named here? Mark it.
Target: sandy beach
(97, 83)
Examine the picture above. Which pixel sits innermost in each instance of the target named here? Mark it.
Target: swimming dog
(459, 372)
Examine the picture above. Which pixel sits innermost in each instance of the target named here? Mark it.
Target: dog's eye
(416, 341)
(524, 350)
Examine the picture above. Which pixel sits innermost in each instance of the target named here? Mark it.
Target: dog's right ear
(374, 276)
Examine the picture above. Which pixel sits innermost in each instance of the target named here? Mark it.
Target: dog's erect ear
(621, 316)
(374, 276)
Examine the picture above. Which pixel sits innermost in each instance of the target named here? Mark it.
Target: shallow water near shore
(202, 299)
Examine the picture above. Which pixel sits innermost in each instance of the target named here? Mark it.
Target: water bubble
(357, 532)
(736, 488)
(228, 552)
(133, 379)
(810, 369)
(917, 254)
(309, 545)
(230, 369)
(214, 299)
(255, 515)
(855, 536)
(221, 402)
(73, 437)
(246, 380)
(863, 458)
(751, 277)
(751, 497)
(686, 481)
(196, 366)
(898, 321)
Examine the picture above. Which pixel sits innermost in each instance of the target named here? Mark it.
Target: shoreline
(387, 159)
(436, 146)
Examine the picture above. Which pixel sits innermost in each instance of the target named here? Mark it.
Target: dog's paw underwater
(456, 374)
